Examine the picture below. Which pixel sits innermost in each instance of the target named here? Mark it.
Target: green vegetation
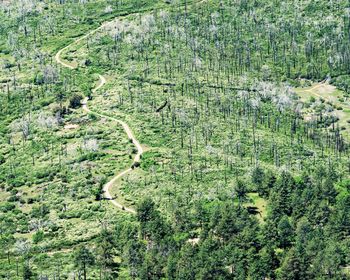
(242, 112)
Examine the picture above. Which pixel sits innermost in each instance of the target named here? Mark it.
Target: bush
(31, 200)
(16, 182)
(40, 211)
(87, 62)
(6, 207)
(2, 159)
(74, 101)
(43, 173)
(13, 198)
(135, 165)
(8, 64)
(87, 215)
(38, 236)
(39, 79)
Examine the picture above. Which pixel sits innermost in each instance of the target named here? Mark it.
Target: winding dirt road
(58, 54)
(311, 90)
(324, 85)
(125, 126)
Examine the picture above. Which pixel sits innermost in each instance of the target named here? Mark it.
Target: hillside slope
(174, 139)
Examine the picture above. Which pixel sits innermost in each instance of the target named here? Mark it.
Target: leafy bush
(7, 206)
(74, 101)
(38, 237)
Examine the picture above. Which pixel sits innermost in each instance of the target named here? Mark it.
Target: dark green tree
(258, 179)
(135, 255)
(105, 248)
(291, 268)
(83, 258)
(285, 232)
(27, 272)
(240, 191)
(74, 100)
(152, 224)
(266, 264)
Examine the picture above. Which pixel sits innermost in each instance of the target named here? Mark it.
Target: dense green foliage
(236, 181)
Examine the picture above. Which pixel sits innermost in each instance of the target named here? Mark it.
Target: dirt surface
(102, 81)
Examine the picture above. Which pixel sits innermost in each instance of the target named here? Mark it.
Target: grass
(260, 203)
(331, 96)
(196, 147)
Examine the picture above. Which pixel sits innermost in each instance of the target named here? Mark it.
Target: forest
(174, 139)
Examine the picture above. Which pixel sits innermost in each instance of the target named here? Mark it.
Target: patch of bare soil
(71, 126)
(325, 88)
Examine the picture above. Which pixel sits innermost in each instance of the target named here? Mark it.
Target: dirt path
(58, 54)
(131, 136)
(311, 90)
(125, 126)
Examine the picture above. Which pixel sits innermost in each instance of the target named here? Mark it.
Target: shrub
(12, 198)
(6, 207)
(2, 159)
(74, 101)
(38, 236)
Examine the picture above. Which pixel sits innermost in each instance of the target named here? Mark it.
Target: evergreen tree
(27, 272)
(258, 180)
(240, 191)
(105, 248)
(83, 258)
(285, 233)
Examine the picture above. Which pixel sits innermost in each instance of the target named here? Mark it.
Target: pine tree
(83, 258)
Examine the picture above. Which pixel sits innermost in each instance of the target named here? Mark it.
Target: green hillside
(174, 139)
